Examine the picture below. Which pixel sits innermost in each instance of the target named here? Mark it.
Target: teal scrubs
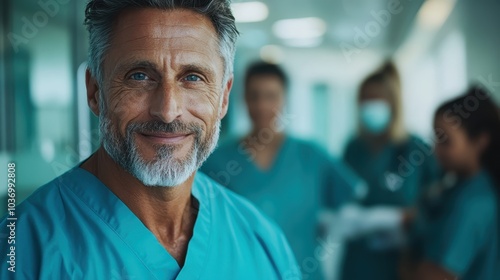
(396, 176)
(76, 228)
(301, 180)
(461, 229)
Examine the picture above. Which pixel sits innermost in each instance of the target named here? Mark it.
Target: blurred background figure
(289, 179)
(326, 46)
(395, 165)
(458, 226)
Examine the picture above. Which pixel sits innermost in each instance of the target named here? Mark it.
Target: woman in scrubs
(395, 166)
(458, 223)
(289, 179)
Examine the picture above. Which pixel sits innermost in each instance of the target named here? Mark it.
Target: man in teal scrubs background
(289, 179)
(159, 77)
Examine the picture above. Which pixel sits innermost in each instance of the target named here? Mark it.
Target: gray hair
(101, 14)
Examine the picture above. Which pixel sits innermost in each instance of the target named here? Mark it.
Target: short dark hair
(263, 68)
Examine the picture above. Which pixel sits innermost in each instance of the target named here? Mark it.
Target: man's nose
(166, 103)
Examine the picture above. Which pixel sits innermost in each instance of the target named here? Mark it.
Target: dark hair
(264, 68)
(101, 14)
(481, 116)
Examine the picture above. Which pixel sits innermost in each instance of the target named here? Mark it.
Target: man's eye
(139, 76)
(192, 78)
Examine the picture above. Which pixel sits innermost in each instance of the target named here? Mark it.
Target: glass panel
(39, 91)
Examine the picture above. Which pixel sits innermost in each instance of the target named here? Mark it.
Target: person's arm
(341, 185)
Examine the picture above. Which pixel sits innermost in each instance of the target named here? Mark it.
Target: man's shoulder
(48, 202)
(42, 197)
(34, 223)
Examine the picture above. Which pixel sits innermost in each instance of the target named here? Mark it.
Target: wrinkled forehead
(148, 32)
(173, 28)
(158, 23)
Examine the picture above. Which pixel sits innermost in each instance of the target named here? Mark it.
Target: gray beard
(164, 170)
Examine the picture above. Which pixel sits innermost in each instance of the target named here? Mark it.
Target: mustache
(175, 126)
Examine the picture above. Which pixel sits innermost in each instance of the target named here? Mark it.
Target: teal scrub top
(461, 229)
(396, 176)
(76, 228)
(300, 182)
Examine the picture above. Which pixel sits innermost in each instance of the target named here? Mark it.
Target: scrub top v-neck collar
(141, 241)
(276, 162)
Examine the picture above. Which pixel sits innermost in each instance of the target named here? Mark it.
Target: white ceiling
(342, 18)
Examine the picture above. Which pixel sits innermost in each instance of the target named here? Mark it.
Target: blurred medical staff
(289, 179)
(459, 221)
(395, 166)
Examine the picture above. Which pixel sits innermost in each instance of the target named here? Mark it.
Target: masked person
(396, 167)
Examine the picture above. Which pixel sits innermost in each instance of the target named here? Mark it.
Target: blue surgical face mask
(375, 115)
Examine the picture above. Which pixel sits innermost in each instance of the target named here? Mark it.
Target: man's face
(265, 97)
(163, 94)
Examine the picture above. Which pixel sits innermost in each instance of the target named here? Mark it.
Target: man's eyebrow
(137, 64)
(191, 67)
(197, 68)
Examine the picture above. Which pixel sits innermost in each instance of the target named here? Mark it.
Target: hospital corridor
(250, 139)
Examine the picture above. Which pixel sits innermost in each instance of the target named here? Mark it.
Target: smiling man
(159, 78)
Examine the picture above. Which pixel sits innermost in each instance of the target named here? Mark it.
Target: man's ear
(225, 97)
(92, 92)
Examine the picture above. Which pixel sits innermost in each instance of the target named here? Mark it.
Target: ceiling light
(299, 28)
(249, 11)
(434, 13)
